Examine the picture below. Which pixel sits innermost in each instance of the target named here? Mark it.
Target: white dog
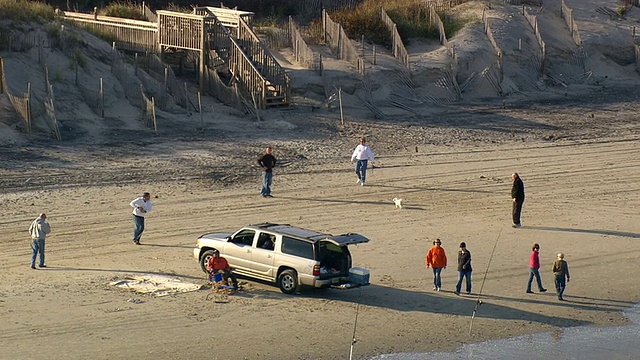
(398, 203)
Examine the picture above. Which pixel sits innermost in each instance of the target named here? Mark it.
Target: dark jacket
(464, 261)
(560, 268)
(517, 191)
(267, 161)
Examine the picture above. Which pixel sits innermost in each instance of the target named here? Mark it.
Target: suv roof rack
(266, 225)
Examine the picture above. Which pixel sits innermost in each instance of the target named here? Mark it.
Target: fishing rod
(479, 301)
(355, 324)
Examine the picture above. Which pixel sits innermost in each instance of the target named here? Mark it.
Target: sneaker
(263, 195)
(468, 292)
(358, 181)
(516, 225)
(362, 184)
(269, 195)
(136, 242)
(438, 289)
(529, 292)
(435, 288)
(560, 298)
(33, 266)
(543, 290)
(42, 266)
(457, 293)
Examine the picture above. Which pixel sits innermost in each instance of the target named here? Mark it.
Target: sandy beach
(576, 149)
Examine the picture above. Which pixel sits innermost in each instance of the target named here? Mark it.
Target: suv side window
(244, 237)
(297, 247)
(266, 241)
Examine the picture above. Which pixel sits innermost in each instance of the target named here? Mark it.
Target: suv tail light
(316, 270)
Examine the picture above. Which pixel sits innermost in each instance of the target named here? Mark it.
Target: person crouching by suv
(218, 264)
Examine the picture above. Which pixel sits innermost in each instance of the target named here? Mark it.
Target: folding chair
(219, 284)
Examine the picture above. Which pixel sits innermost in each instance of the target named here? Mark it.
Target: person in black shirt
(517, 194)
(464, 268)
(267, 162)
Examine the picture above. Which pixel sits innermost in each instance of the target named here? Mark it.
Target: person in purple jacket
(534, 269)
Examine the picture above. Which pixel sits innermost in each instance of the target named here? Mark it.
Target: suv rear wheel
(204, 259)
(288, 282)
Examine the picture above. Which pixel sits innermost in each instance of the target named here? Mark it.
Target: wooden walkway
(208, 30)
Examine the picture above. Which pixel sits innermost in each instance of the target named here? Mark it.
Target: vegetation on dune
(24, 10)
(127, 10)
(410, 16)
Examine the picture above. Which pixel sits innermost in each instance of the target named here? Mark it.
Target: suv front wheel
(288, 282)
(204, 259)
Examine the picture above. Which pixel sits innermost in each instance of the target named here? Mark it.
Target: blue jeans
(267, 177)
(38, 248)
(534, 272)
(437, 280)
(464, 274)
(361, 170)
(560, 285)
(138, 228)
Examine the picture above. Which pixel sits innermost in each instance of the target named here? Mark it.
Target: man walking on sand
(534, 269)
(437, 260)
(517, 194)
(39, 229)
(464, 268)
(560, 272)
(362, 155)
(267, 162)
(141, 207)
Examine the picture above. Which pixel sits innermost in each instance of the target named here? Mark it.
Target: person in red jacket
(437, 260)
(218, 264)
(534, 266)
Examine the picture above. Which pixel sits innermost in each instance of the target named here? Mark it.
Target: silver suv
(282, 254)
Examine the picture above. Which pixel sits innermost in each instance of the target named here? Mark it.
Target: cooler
(359, 276)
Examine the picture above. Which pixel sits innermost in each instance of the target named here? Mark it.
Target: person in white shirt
(362, 155)
(39, 229)
(141, 207)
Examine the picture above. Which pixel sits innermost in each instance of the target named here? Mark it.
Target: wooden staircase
(249, 61)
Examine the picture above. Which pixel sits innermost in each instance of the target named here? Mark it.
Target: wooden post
(135, 63)
(29, 109)
(1, 76)
(153, 112)
(200, 109)
(374, 54)
(340, 100)
(203, 47)
(166, 76)
(186, 98)
(101, 99)
(363, 54)
(77, 65)
(520, 44)
(634, 31)
(321, 66)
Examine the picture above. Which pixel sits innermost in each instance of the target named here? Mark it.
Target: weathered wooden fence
(567, 14)
(149, 112)
(228, 95)
(533, 21)
(637, 52)
(49, 106)
(302, 52)
(340, 43)
(133, 35)
(21, 103)
(496, 47)
(397, 46)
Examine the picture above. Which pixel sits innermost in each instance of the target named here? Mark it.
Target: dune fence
(397, 46)
(339, 42)
(301, 50)
(533, 21)
(567, 14)
(21, 103)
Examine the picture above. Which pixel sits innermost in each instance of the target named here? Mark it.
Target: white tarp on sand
(158, 285)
